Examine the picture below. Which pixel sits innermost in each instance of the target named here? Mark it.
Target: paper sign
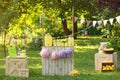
(11, 51)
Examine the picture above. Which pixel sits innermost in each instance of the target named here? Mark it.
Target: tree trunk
(4, 44)
(59, 1)
(66, 30)
(75, 29)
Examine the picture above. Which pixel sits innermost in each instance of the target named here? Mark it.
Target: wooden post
(4, 44)
(73, 20)
(43, 25)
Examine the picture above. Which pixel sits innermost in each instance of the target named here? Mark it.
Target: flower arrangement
(74, 73)
(66, 53)
(23, 53)
(44, 53)
(54, 55)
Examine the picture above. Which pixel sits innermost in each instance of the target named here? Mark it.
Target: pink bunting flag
(105, 22)
(40, 19)
(56, 20)
(99, 22)
(63, 19)
(49, 19)
(25, 41)
(111, 20)
(94, 23)
(76, 18)
(118, 19)
(88, 22)
(82, 21)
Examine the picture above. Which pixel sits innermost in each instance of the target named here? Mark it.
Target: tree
(6, 14)
(113, 5)
(61, 8)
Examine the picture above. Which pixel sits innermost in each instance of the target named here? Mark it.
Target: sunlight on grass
(35, 58)
(90, 37)
(2, 66)
(88, 47)
(35, 66)
(97, 72)
(2, 59)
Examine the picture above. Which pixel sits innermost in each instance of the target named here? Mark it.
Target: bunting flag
(36, 40)
(82, 21)
(105, 22)
(56, 20)
(21, 44)
(88, 22)
(40, 19)
(76, 18)
(118, 19)
(31, 39)
(99, 22)
(13, 41)
(63, 19)
(49, 19)
(111, 20)
(94, 23)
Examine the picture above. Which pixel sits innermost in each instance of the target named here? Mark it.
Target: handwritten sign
(11, 50)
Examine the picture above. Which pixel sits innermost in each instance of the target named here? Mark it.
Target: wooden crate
(23, 72)
(60, 66)
(103, 58)
(13, 64)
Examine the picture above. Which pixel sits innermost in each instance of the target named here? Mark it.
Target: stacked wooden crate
(101, 59)
(16, 66)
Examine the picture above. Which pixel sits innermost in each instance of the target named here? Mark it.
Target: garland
(94, 22)
(56, 55)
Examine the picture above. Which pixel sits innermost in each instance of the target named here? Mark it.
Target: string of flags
(64, 36)
(82, 21)
(111, 20)
(93, 22)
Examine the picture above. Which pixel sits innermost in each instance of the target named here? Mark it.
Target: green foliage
(53, 27)
(114, 35)
(28, 13)
(94, 31)
(23, 15)
(26, 22)
(35, 46)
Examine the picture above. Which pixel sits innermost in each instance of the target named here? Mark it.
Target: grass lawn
(84, 50)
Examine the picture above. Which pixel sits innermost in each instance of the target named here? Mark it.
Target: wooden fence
(61, 66)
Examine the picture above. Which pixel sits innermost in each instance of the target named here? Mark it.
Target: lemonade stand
(106, 58)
